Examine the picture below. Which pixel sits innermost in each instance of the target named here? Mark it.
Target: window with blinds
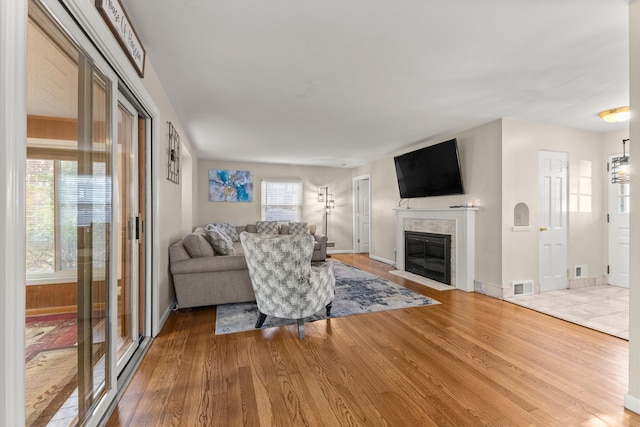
(281, 200)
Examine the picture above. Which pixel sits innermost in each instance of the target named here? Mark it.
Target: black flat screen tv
(430, 171)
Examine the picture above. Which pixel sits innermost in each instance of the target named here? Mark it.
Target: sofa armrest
(177, 252)
(321, 239)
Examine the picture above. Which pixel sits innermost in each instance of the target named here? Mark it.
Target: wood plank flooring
(472, 360)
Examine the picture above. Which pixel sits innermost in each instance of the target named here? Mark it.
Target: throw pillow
(197, 246)
(298, 228)
(221, 243)
(267, 227)
(229, 229)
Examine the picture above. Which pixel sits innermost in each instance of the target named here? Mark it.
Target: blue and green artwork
(230, 185)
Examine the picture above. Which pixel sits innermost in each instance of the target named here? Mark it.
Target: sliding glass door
(129, 225)
(85, 293)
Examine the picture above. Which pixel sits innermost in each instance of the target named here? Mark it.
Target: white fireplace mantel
(463, 234)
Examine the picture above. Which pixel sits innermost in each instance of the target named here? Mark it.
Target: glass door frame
(132, 193)
(59, 15)
(83, 23)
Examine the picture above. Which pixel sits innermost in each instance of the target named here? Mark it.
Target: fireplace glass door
(429, 255)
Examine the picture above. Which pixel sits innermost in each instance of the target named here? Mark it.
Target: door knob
(543, 228)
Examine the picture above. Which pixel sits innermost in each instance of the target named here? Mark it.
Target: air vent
(581, 271)
(524, 287)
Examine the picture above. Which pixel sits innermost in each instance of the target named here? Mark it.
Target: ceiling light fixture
(620, 114)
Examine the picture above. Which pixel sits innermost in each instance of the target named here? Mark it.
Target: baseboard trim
(348, 251)
(632, 403)
(52, 310)
(164, 318)
(386, 261)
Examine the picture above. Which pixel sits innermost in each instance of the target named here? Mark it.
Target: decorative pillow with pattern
(221, 243)
(267, 227)
(229, 229)
(298, 228)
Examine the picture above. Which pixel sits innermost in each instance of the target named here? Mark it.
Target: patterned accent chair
(284, 282)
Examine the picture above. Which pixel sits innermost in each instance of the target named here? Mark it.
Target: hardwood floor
(472, 360)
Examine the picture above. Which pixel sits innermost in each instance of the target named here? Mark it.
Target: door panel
(553, 220)
(72, 90)
(619, 201)
(363, 215)
(128, 232)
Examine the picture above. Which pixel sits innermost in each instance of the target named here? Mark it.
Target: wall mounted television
(430, 171)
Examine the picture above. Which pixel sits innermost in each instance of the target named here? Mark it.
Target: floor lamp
(327, 198)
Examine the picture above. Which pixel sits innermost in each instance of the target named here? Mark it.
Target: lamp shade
(615, 115)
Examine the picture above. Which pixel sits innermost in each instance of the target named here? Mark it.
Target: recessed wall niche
(521, 215)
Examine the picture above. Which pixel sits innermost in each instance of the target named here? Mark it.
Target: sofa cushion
(298, 228)
(197, 245)
(229, 229)
(267, 227)
(221, 243)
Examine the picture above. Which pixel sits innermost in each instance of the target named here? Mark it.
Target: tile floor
(603, 308)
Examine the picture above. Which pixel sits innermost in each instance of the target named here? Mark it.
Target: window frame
(265, 207)
(56, 155)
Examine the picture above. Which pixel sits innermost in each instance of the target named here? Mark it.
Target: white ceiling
(345, 82)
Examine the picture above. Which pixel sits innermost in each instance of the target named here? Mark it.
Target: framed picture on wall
(230, 185)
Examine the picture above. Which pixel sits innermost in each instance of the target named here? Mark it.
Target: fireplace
(459, 223)
(429, 255)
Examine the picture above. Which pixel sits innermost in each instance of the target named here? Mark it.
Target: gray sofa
(203, 278)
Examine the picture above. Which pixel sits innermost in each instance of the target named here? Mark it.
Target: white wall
(480, 158)
(340, 222)
(587, 222)
(170, 223)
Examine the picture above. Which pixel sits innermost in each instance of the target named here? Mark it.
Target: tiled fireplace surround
(457, 222)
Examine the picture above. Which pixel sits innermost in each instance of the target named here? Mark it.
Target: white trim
(151, 235)
(354, 193)
(632, 403)
(386, 261)
(166, 314)
(341, 251)
(13, 133)
(154, 267)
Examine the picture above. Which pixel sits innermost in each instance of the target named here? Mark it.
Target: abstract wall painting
(230, 185)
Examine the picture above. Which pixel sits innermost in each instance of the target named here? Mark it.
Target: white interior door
(362, 214)
(553, 220)
(619, 200)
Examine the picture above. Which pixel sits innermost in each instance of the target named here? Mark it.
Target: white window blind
(281, 200)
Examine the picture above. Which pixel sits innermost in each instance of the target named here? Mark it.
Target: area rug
(423, 280)
(50, 378)
(50, 332)
(357, 292)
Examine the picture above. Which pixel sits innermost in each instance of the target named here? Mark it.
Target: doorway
(553, 220)
(618, 219)
(362, 213)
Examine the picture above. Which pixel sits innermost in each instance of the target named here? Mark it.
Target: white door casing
(553, 220)
(362, 214)
(618, 214)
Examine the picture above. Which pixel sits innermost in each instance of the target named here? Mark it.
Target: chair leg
(300, 328)
(261, 319)
(328, 307)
